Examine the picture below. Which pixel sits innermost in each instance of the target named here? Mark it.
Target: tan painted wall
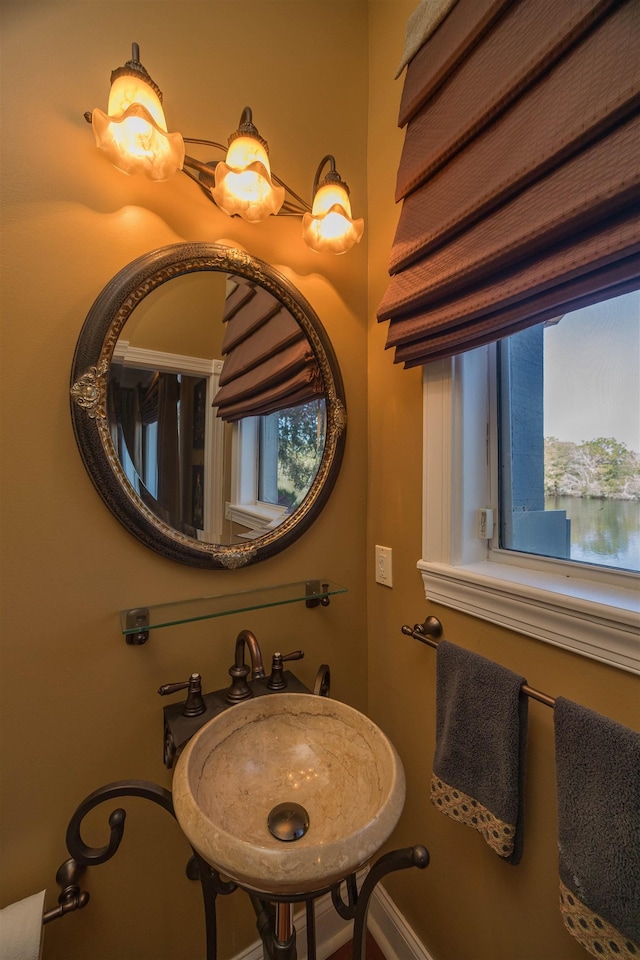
(183, 316)
(467, 905)
(79, 706)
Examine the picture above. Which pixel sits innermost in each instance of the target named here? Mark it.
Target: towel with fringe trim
(481, 729)
(598, 783)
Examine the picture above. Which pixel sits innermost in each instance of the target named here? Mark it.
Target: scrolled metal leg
(212, 886)
(274, 947)
(345, 910)
(311, 929)
(92, 856)
(265, 923)
(86, 856)
(396, 860)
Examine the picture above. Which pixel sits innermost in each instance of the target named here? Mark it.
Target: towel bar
(430, 632)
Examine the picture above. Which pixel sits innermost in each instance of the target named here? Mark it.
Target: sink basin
(291, 749)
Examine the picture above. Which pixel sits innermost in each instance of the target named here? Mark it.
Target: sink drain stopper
(288, 821)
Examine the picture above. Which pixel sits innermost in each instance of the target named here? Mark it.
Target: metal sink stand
(273, 915)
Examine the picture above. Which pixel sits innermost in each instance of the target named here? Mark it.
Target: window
(569, 437)
(275, 459)
(290, 449)
(518, 181)
(585, 606)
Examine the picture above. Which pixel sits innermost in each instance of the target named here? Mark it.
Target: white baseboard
(391, 931)
(389, 928)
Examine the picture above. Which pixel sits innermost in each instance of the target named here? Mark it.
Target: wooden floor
(373, 951)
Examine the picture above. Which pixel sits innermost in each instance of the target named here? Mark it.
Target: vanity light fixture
(243, 182)
(330, 227)
(134, 136)
(133, 132)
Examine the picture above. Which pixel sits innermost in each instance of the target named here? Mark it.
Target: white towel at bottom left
(21, 929)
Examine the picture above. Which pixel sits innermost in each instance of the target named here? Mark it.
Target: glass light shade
(133, 133)
(329, 228)
(243, 183)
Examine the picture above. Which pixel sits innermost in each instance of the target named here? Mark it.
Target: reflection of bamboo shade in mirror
(269, 364)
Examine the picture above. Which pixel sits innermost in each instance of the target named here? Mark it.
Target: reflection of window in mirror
(275, 459)
(290, 448)
(167, 438)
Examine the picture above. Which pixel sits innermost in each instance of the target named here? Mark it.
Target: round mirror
(207, 404)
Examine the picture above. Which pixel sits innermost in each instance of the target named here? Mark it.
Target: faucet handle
(296, 655)
(194, 705)
(277, 681)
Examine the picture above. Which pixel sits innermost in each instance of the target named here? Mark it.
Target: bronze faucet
(240, 672)
(247, 638)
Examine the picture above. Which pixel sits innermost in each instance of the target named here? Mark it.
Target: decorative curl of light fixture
(134, 136)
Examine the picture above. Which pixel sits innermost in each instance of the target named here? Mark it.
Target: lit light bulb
(133, 132)
(244, 186)
(329, 228)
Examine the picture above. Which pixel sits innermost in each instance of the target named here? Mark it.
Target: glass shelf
(137, 621)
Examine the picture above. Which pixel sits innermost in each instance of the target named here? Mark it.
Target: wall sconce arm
(203, 173)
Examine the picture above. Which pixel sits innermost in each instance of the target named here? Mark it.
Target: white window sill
(590, 618)
(257, 516)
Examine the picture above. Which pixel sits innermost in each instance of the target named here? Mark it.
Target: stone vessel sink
(288, 748)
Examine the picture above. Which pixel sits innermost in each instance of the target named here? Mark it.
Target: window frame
(591, 611)
(245, 507)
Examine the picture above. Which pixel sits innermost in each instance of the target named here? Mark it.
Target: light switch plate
(384, 573)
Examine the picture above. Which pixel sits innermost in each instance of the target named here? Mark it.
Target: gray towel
(481, 728)
(598, 777)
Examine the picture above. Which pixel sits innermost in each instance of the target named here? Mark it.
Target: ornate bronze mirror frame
(91, 402)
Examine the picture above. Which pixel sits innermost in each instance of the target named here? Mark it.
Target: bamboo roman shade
(269, 364)
(520, 173)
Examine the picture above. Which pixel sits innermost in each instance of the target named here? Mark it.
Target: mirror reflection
(207, 405)
(216, 407)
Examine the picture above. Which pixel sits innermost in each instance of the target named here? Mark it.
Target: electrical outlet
(384, 573)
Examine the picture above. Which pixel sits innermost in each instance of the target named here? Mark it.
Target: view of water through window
(604, 531)
(592, 429)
